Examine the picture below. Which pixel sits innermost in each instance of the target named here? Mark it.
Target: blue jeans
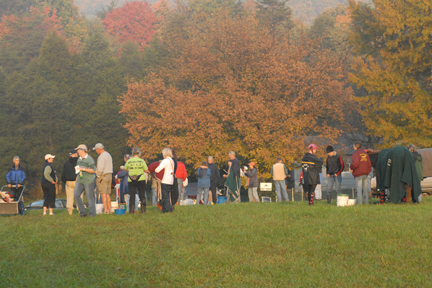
(280, 185)
(206, 194)
(362, 189)
(90, 194)
(336, 180)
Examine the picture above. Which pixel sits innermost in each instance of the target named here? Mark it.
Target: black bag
(135, 178)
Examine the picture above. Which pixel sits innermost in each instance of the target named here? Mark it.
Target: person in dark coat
(214, 178)
(334, 168)
(311, 168)
(253, 182)
(68, 177)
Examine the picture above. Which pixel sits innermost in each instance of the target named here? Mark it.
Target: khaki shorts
(103, 183)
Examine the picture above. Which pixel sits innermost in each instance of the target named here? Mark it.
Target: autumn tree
(134, 21)
(233, 86)
(392, 40)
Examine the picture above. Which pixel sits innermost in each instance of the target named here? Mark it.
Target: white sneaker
(44, 214)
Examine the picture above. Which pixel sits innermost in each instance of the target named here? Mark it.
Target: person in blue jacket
(16, 177)
(204, 175)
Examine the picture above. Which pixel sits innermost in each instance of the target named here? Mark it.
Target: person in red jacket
(360, 168)
(181, 176)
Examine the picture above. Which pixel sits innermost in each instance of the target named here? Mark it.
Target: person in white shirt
(168, 179)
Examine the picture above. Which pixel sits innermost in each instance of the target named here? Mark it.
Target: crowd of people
(168, 178)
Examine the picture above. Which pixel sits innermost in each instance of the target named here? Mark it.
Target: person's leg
(52, 196)
(255, 194)
(126, 198)
(132, 192)
(199, 195)
(359, 189)
(206, 195)
(79, 188)
(166, 201)
(142, 195)
(250, 194)
(45, 196)
(365, 189)
(213, 188)
(338, 182)
(69, 187)
(284, 191)
(330, 182)
(311, 194)
(154, 197)
(180, 189)
(90, 194)
(278, 190)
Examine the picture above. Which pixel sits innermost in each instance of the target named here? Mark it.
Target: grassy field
(235, 245)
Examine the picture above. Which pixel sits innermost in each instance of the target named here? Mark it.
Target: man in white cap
(48, 183)
(104, 172)
(85, 181)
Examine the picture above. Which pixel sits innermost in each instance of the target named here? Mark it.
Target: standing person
(85, 181)
(68, 177)
(311, 168)
(138, 170)
(233, 182)
(279, 173)
(181, 175)
(360, 168)
(104, 171)
(214, 178)
(204, 175)
(15, 177)
(253, 182)
(123, 175)
(48, 182)
(168, 179)
(334, 167)
(417, 160)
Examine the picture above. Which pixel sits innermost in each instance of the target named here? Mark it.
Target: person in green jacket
(86, 170)
(418, 160)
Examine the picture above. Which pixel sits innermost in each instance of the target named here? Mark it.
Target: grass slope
(235, 245)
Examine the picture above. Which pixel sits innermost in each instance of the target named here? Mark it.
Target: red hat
(312, 146)
(252, 163)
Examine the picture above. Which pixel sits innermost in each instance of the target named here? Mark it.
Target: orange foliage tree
(232, 85)
(134, 21)
(393, 42)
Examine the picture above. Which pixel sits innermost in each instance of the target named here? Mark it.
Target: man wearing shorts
(104, 170)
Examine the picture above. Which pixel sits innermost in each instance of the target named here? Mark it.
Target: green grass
(235, 245)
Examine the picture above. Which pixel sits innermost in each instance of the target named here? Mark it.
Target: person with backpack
(334, 167)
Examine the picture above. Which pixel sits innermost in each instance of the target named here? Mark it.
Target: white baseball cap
(98, 146)
(49, 156)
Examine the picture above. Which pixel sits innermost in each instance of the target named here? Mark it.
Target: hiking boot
(143, 208)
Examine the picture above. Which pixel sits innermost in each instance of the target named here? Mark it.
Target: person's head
(82, 150)
(204, 163)
(278, 160)
(210, 159)
(99, 148)
(126, 157)
(412, 148)
(167, 153)
(73, 154)
(330, 150)
(136, 152)
(312, 148)
(16, 161)
(231, 155)
(251, 165)
(357, 145)
(49, 158)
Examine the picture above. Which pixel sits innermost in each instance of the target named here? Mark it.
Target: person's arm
(122, 174)
(161, 165)
(8, 177)
(355, 161)
(271, 172)
(341, 167)
(47, 172)
(146, 168)
(23, 178)
(285, 171)
(91, 169)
